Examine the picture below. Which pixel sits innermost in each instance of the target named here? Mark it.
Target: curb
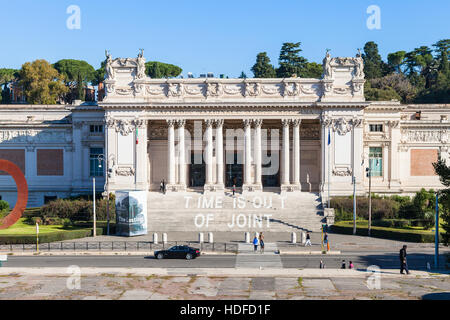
(98, 253)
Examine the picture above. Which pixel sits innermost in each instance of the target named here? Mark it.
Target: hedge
(385, 233)
(49, 236)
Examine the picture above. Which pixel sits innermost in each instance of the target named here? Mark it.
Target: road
(383, 260)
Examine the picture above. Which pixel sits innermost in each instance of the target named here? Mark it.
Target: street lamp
(436, 233)
(369, 174)
(101, 158)
(354, 204)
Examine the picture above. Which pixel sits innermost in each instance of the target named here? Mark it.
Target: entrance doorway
(273, 178)
(233, 173)
(197, 173)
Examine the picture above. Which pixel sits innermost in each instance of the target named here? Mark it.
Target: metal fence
(117, 246)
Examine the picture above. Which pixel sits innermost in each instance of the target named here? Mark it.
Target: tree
(396, 60)
(7, 75)
(242, 75)
(262, 68)
(41, 83)
(156, 70)
(312, 70)
(77, 74)
(379, 94)
(374, 67)
(443, 171)
(290, 60)
(397, 82)
(99, 74)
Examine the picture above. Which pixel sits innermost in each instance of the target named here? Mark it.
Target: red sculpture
(22, 193)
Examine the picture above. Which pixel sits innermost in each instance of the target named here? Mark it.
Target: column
(285, 168)
(181, 155)
(77, 156)
(247, 153)
(296, 133)
(258, 149)
(219, 153)
(171, 152)
(209, 154)
(141, 154)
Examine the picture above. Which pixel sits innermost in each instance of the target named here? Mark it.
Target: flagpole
(329, 166)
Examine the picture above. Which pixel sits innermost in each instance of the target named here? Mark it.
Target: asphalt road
(383, 260)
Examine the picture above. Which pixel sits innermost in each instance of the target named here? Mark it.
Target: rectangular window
(96, 128)
(96, 162)
(376, 161)
(376, 127)
(50, 162)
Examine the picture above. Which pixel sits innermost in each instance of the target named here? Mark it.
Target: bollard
(164, 237)
(200, 237)
(155, 238)
(293, 238)
(247, 237)
(210, 237)
(303, 235)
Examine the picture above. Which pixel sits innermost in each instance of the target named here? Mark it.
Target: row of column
(249, 183)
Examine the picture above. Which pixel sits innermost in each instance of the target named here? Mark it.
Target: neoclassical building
(207, 134)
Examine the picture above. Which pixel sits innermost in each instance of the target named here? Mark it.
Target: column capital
(180, 122)
(218, 122)
(247, 122)
(257, 123)
(285, 122)
(170, 122)
(296, 122)
(209, 122)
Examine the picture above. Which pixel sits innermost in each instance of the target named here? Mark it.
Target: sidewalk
(221, 272)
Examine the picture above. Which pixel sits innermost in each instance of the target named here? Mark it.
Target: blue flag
(329, 136)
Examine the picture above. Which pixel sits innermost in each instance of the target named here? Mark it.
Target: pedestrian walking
(403, 261)
(255, 243)
(350, 265)
(321, 265)
(308, 240)
(161, 187)
(234, 189)
(261, 242)
(343, 264)
(164, 186)
(325, 241)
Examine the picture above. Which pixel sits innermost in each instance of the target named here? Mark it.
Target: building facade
(207, 134)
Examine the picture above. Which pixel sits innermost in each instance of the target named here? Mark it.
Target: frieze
(125, 171)
(34, 136)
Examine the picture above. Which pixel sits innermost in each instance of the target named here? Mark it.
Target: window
(376, 127)
(376, 161)
(96, 164)
(96, 128)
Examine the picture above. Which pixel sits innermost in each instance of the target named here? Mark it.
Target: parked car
(178, 252)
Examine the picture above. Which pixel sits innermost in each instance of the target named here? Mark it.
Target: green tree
(7, 76)
(396, 82)
(242, 75)
(156, 70)
(312, 70)
(72, 70)
(262, 68)
(379, 94)
(443, 171)
(396, 60)
(99, 74)
(374, 67)
(290, 61)
(41, 83)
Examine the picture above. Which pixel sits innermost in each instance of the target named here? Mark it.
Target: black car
(178, 252)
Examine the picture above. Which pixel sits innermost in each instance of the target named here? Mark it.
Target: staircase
(256, 211)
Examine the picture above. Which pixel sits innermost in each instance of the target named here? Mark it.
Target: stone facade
(208, 134)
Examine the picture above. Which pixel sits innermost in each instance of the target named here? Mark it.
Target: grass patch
(22, 233)
(300, 282)
(401, 234)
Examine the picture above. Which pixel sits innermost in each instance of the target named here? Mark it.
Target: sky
(222, 37)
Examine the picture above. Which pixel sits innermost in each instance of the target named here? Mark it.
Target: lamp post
(369, 174)
(94, 234)
(354, 204)
(436, 233)
(101, 158)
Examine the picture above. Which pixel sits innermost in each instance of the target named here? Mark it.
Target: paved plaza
(152, 287)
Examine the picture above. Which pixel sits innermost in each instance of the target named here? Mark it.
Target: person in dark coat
(403, 262)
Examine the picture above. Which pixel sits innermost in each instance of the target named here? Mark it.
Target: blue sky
(213, 36)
